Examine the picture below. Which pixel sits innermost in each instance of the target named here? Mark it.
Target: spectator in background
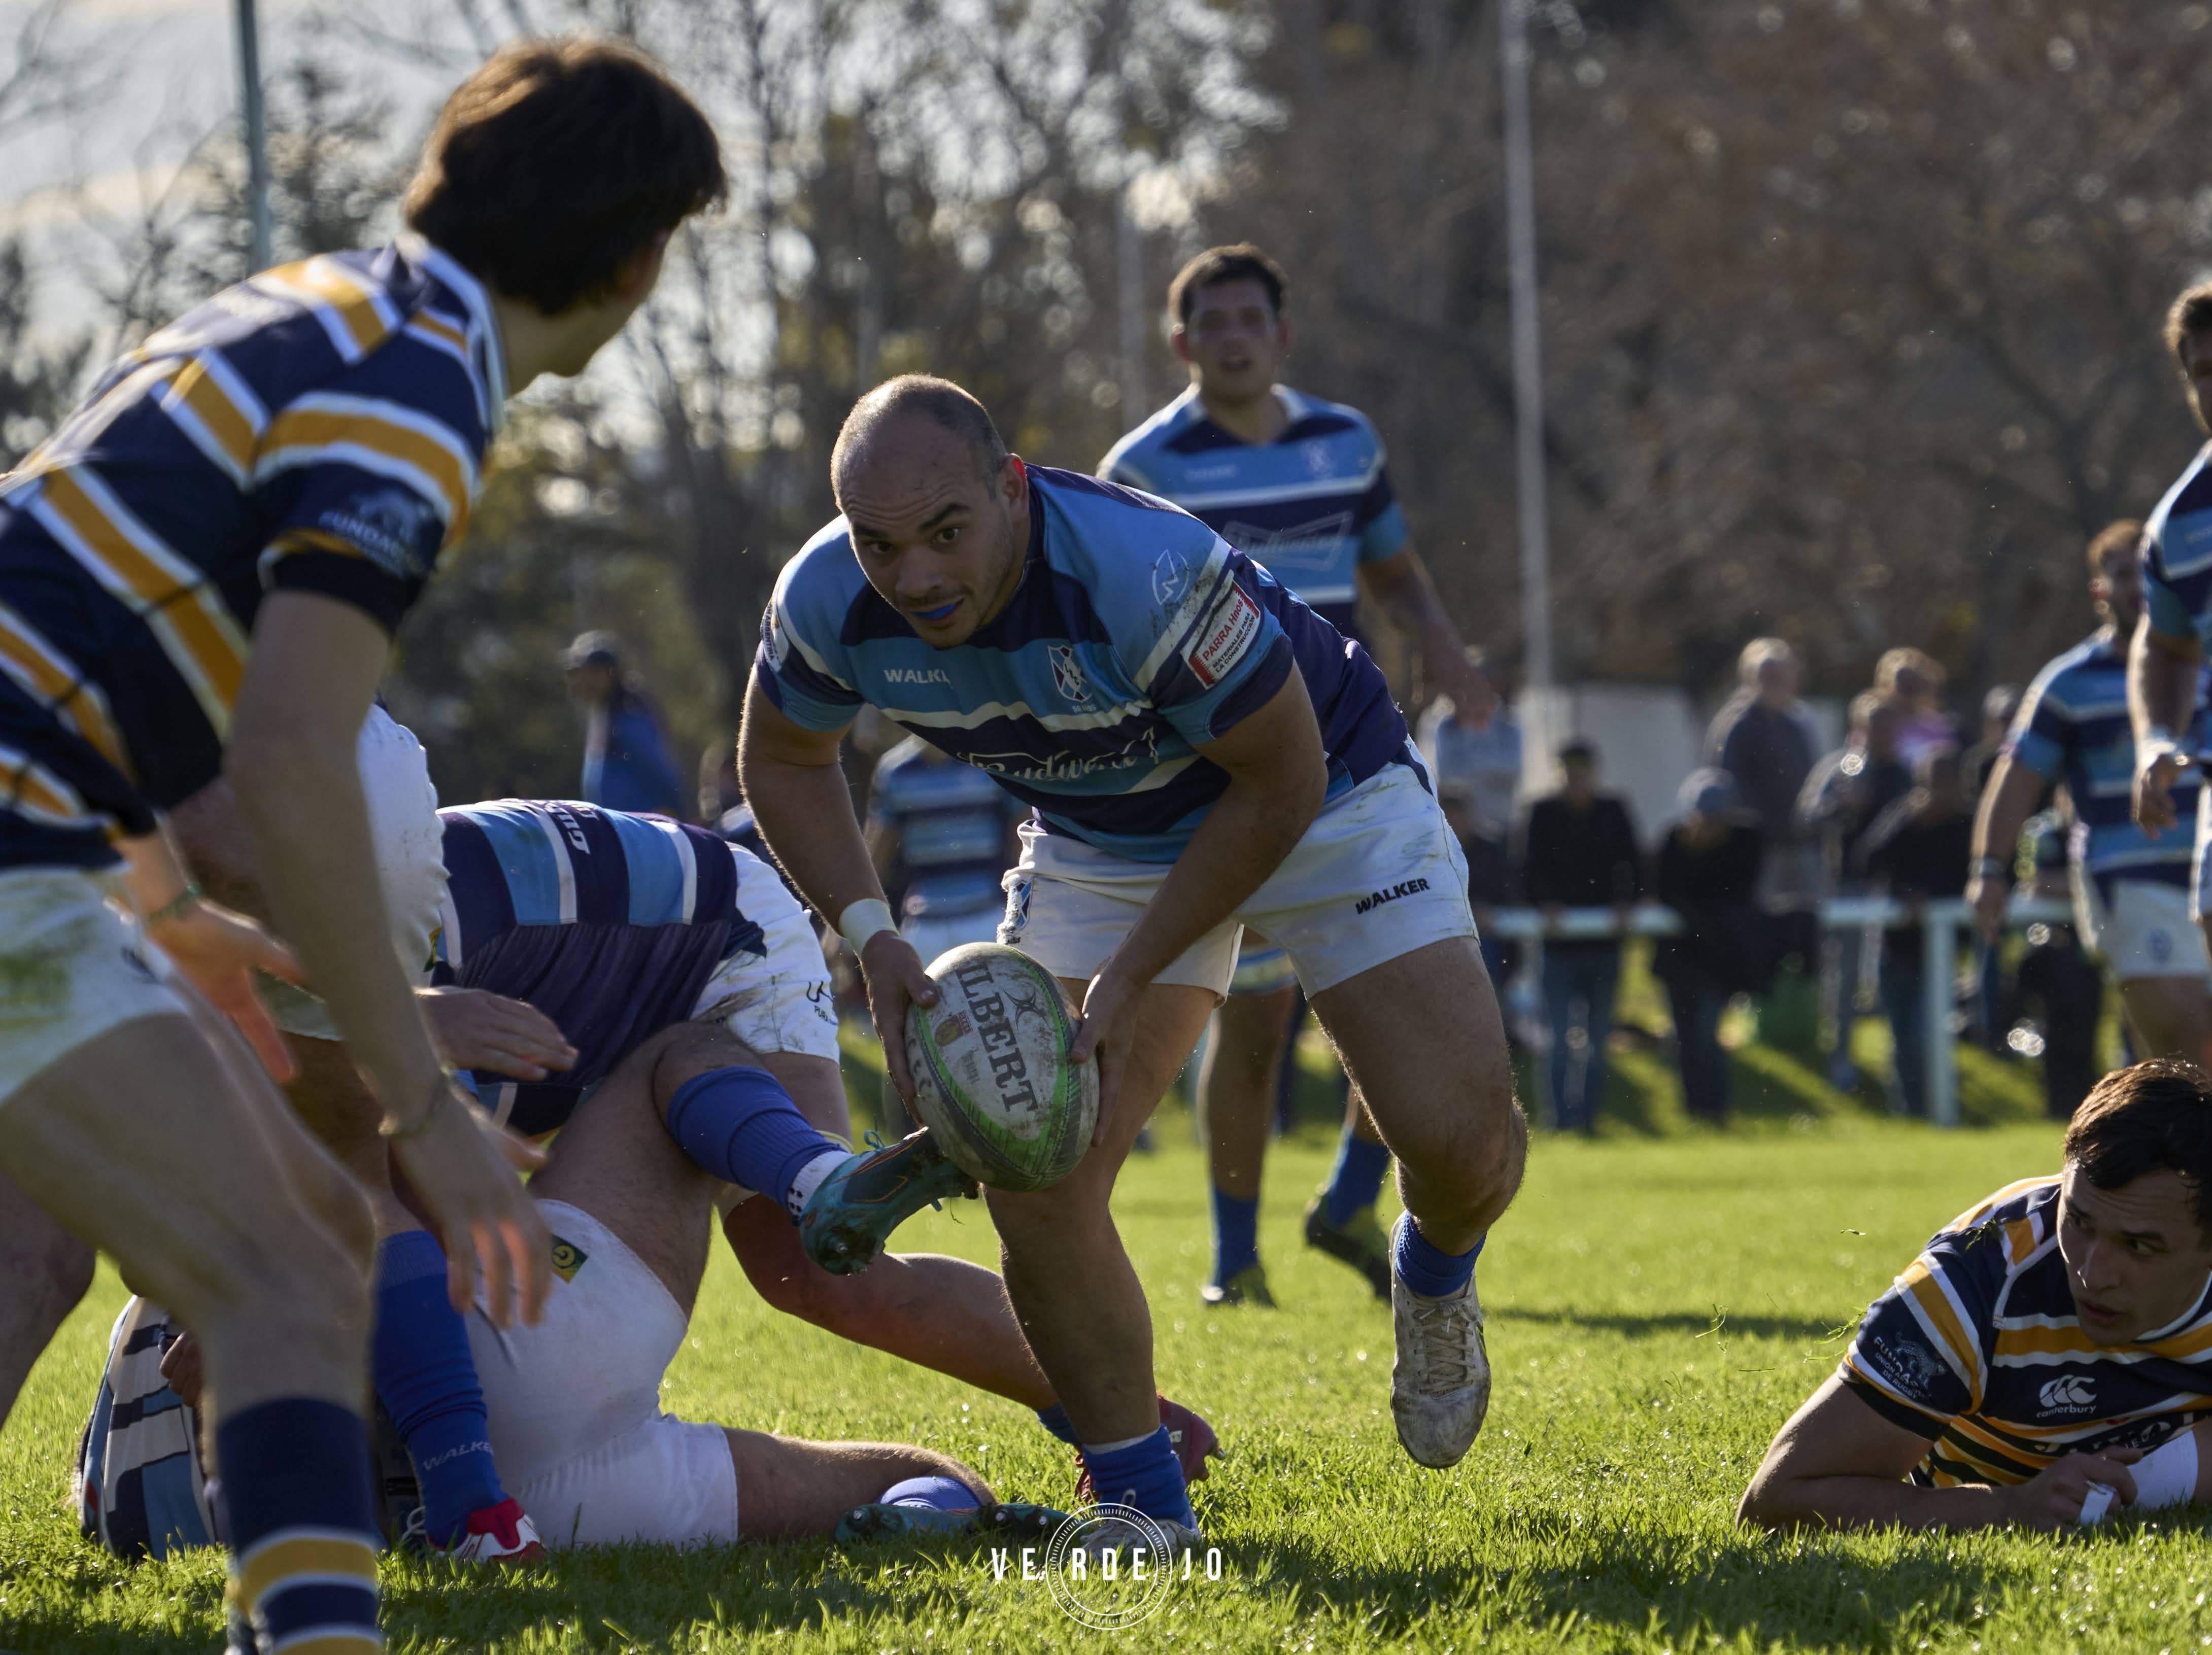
(626, 762)
(1764, 738)
(1911, 680)
(1475, 755)
(1709, 873)
(1843, 794)
(1579, 851)
(1922, 847)
(1998, 707)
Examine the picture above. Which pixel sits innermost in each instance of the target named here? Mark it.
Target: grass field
(1657, 1305)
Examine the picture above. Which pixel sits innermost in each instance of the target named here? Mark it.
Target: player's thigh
(201, 1201)
(1421, 1038)
(1251, 1030)
(2172, 1014)
(793, 1489)
(1168, 1019)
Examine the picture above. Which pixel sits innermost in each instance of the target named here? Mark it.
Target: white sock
(808, 1178)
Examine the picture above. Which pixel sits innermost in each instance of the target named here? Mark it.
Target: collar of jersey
(1296, 406)
(484, 344)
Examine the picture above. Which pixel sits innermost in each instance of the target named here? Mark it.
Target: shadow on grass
(1680, 1591)
(1724, 1325)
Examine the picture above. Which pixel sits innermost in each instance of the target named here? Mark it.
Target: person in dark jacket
(1708, 873)
(1579, 851)
(1764, 738)
(1920, 848)
(628, 765)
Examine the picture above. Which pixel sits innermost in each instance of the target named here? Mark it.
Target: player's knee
(1478, 1159)
(56, 1275)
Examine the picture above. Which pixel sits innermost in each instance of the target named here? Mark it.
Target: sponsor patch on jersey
(568, 1259)
(396, 529)
(2072, 1393)
(1067, 673)
(1220, 640)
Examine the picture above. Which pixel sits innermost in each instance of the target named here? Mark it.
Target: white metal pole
(261, 251)
(1528, 360)
(1939, 964)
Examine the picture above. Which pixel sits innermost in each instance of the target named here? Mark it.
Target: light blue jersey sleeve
(2043, 728)
(1378, 521)
(801, 664)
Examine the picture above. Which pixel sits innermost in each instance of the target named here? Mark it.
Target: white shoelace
(1442, 1349)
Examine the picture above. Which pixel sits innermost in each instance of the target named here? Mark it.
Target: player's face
(2137, 1258)
(2118, 588)
(2196, 374)
(938, 540)
(1234, 342)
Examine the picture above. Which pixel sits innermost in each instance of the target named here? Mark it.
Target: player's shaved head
(898, 405)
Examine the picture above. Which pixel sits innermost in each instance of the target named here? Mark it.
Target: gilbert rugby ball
(992, 1077)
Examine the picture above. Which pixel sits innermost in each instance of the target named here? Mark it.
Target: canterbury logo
(2072, 1391)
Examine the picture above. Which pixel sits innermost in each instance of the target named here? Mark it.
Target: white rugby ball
(993, 1080)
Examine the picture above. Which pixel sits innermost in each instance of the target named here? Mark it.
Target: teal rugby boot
(852, 1213)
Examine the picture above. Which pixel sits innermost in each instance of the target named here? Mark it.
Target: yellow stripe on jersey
(356, 315)
(48, 675)
(2046, 1341)
(1975, 1214)
(377, 436)
(2020, 1240)
(205, 410)
(442, 331)
(29, 789)
(186, 612)
(293, 1556)
(1941, 1319)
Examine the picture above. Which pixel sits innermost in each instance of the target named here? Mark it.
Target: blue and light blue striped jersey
(2178, 564)
(1136, 634)
(1308, 507)
(1978, 1348)
(318, 428)
(2073, 726)
(610, 924)
(952, 820)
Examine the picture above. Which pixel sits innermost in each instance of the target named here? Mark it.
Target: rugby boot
(498, 1534)
(852, 1213)
(1248, 1287)
(1440, 1381)
(1358, 1242)
(1191, 1437)
(1010, 1521)
(1162, 1539)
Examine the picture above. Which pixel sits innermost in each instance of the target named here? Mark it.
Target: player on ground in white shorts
(200, 573)
(2048, 1357)
(2130, 892)
(2165, 667)
(1300, 485)
(1202, 750)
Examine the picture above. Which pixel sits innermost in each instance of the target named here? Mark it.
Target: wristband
(869, 916)
(174, 908)
(1986, 865)
(2158, 743)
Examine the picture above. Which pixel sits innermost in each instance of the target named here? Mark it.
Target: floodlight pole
(257, 136)
(1528, 359)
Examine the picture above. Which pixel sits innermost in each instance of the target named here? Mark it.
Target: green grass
(1657, 1305)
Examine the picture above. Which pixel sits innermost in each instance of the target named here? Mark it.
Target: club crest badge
(1067, 673)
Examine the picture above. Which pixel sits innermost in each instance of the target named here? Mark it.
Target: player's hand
(475, 1029)
(2052, 1499)
(894, 980)
(1990, 896)
(462, 1167)
(182, 1367)
(217, 952)
(1105, 1032)
(2154, 811)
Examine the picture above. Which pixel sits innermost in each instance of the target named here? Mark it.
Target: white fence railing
(1941, 923)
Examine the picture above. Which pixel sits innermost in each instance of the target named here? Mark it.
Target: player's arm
(1840, 1465)
(1400, 584)
(2013, 792)
(797, 790)
(2163, 662)
(1278, 777)
(314, 671)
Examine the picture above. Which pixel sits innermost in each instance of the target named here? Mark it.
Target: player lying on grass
(1201, 750)
(2047, 1358)
(620, 927)
(574, 1403)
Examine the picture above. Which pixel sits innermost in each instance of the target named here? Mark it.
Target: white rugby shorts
(1378, 875)
(2200, 884)
(2145, 928)
(784, 1001)
(574, 1405)
(72, 966)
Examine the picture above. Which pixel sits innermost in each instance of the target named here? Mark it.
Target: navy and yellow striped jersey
(320, 427)
(1977, 1347)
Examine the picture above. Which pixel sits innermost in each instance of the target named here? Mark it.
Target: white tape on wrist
(2165, 1476)
(862, 920)
(2159, 742)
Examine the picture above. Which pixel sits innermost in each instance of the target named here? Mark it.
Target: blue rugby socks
(1236, 1236)
(1356, 1181)
(1054, 1419)
(295, 1475)
(741, 1125)
(1427, 1268)
(427, 1379)
(1143, 1472)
